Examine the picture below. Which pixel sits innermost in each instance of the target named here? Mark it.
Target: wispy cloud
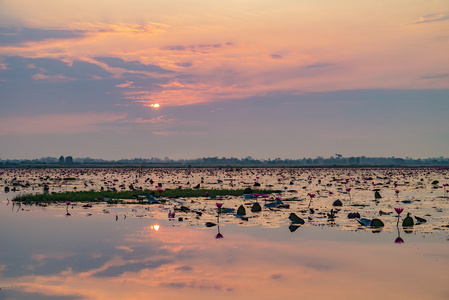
(431, 18)
(198, 47)
(121, 27)
(135, 65)
(319, 65)
(156, 120)
(16, 36)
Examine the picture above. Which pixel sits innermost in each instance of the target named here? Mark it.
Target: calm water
(136, 252)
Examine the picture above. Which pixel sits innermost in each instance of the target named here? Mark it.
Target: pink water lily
(399, 210)
(399, 240)
(219, 205)
(311, 197)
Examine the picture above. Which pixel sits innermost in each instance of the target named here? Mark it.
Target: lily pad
(210, 224)
(293, 228)
(364, 222)
(377, 223)
(241, 210)
(337, 203)
(256, 207)
(295, 219)
(408, 221)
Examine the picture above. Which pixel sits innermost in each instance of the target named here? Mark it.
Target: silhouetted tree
(68, 160)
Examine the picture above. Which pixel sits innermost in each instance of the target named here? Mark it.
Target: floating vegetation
(138, 196)
(348, 199)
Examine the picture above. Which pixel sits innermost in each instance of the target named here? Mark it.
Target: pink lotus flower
(160, 191)
(397, 192)
(398, 240)
(330, 192)
(311, 195)
(256, 195)
(219, 205)
(219, 236)
(398, 210)
(68, 202)
(348, 190)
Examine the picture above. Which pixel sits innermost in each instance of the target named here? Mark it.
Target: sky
(188, 79)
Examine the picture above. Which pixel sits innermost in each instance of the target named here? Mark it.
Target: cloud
(122, 27)
(115, 62)
(184, 65)
(157, 120)
(114, 271)
(49, 86)
(49, 68)
(24, 295)
(276, 56)
(184, 268)
(431, 18)
(15, 36)
(197, 47)
(203, 284)
(127, 84)
(319, 65)
(276, 276)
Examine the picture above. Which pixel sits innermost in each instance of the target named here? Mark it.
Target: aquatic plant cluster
(415, 199)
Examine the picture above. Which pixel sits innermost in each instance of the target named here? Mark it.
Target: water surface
(137, 252)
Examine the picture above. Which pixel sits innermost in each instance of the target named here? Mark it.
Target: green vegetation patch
(92, 196)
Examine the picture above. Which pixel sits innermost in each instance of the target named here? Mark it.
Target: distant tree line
(337, 160)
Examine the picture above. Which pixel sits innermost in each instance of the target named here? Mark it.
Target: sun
(155, 105)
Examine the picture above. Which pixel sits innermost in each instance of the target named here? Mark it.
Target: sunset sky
(266, 79)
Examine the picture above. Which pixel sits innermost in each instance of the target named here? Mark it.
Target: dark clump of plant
(138, 196)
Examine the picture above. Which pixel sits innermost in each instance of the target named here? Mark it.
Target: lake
(131, 251)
